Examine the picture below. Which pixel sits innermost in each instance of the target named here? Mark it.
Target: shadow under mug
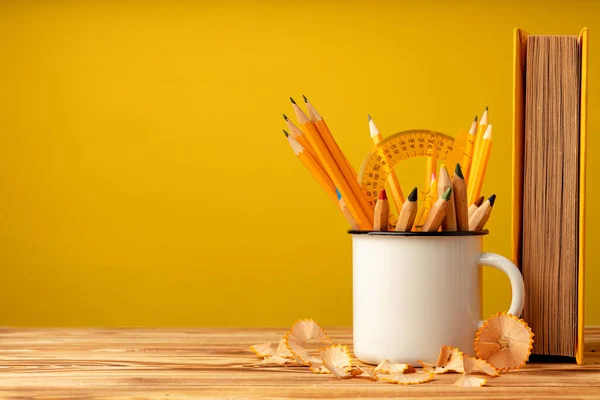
(414, 292)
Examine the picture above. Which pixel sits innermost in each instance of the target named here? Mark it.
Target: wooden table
(216, 363)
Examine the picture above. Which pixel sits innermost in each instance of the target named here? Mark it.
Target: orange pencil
(338, 155)
(297, 134)
(311, 165)
(346, 212)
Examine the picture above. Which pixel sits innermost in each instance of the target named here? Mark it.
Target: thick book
(548, 205)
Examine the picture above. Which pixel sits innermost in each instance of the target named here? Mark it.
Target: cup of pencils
(416, 276)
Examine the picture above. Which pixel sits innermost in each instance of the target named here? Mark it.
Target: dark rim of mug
(419, 234)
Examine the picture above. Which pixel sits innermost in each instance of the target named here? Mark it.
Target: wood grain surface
(217, 363)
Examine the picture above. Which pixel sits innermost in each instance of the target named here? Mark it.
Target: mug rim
(418, 234)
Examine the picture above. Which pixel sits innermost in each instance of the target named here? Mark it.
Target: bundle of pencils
(450, 204)
(314, 144)
(449, 212)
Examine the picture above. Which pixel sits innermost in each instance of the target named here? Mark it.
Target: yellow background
(145, 179)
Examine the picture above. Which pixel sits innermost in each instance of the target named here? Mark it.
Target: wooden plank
(205, 362)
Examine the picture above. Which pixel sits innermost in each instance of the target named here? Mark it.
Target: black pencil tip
(292, 100)
(305, 99)
(285, 117)
(369, 115)
(475, 118)
(492, 199)
(458, 171)
(413, 195)
(486, 108)
(286, 134)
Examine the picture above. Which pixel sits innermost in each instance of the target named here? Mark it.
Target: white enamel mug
(414, 292)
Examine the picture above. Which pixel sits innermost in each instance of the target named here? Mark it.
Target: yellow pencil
(469, 150)
(397, 195)
(311, 165)
(333, 170)
(483, 123)
(438, 212)
(479, 172)
(343, 164)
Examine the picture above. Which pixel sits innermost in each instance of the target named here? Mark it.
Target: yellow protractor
(401, 146)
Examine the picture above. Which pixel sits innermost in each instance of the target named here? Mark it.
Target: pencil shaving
(474, 365)
(370, 372)
(504, 341)
(277, 360)
(466, 381)
(264, 349)
(410, 378)
(304, 340)
(449, 359)
(386, 367)
(336, 360)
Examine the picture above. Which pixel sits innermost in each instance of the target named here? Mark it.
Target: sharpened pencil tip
(458, 171)
(486, 108)
(492, 199)
(305, 99)
(475, 118)
(285, 117)
(286, 134)
(369, 115)
(479, 201)
(413, 195)
(447, 194)
(292, 100)
(339, 195)
(382, 195)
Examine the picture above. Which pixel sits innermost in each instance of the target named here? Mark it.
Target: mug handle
(514, 275)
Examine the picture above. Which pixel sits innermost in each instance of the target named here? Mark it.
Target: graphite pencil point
(285, 117)
(292, 100)
(492, 199)
(286, 134)
(458, 171)
(305, 99)
(413, 195)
